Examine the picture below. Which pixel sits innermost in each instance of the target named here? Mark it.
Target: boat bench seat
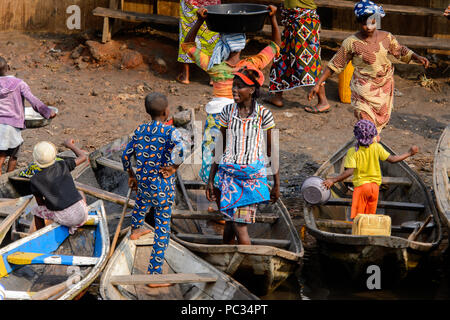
(206, 215)
(142, 279)
(381, 204)
(400, 181)
(26, 258)
(216, 239)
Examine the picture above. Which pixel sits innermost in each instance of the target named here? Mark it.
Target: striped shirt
(245, 137)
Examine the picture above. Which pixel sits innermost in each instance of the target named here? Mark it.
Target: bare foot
(182, 79)
(137, 233)
(276, 100)
(159, 285)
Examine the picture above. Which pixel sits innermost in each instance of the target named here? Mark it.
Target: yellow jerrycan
(371, 225)
(345, 77)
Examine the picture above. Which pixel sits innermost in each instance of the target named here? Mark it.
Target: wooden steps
(142, 279)
(216, 239)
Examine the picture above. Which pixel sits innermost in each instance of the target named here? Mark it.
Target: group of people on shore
(236, 174)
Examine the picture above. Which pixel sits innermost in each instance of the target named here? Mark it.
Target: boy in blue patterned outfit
(158, 151)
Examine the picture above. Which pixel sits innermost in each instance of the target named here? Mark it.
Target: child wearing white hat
(54, 189)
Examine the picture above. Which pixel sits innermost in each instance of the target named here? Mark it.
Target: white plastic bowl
(34, 120)
(314, 192)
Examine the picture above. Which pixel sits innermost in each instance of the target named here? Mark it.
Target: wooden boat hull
(179, 260)
(441, 172)
(403, 196)
(82, 254)
(260, 267)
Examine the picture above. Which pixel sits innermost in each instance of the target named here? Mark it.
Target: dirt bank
(100, 98)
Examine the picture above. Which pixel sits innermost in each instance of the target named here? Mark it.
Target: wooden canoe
(53, 264)
(403, 196)
(441, 175)
(125, 278)
(275, 254)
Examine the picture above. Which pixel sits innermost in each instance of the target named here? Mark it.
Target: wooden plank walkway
(170, 24)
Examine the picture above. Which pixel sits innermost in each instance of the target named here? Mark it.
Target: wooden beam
(206, 215)
(388, 8)
(381, 204)
(344, 4)
(103, 194)
(409, 41)
(142, 279)
(403, 181)
(216, 239)
(163, 23)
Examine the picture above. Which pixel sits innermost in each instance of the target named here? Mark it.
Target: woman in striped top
(242, 173)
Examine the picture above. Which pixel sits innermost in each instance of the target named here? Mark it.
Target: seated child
(362, 161)
(12, 114)
(54, 189)
(155, 146)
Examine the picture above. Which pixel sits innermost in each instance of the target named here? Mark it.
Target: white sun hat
(44, 154)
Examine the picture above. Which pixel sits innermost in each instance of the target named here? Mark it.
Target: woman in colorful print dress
(369, 49)
(299, 63)
(206, 38)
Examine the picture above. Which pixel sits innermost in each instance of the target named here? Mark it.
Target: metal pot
(236, 17)
(34, 120)
(314, 192)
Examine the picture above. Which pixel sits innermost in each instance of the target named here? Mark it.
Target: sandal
(314, 109)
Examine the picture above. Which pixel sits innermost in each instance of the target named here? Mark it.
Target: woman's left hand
(273, 10)
(275, 193)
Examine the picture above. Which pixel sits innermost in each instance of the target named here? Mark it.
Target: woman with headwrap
(369, 49)
(207, 39)
(299, 63)
(363, 162)
(241, 171)
(221, 66)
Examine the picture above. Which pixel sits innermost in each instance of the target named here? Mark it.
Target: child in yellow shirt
(363, 162)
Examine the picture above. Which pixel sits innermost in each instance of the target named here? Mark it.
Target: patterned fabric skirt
(72, 217)
(211, 132)
(373, 99)
(206, 39)
(242, 187)
(299, 62)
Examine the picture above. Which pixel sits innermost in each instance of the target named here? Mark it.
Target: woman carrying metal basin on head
(221, 66)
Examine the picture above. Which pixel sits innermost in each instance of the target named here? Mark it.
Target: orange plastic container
(345, 77)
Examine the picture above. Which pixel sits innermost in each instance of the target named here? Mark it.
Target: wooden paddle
(413, 236)
(119, 226)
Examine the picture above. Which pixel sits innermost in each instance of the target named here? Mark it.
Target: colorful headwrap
(258, 80)
(367, 7)
(228, 42)
(364, 132)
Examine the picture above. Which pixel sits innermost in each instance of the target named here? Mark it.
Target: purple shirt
(12, 92)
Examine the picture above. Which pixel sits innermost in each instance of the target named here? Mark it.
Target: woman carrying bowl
(221, 66)
(207, 38)
(299, 63)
